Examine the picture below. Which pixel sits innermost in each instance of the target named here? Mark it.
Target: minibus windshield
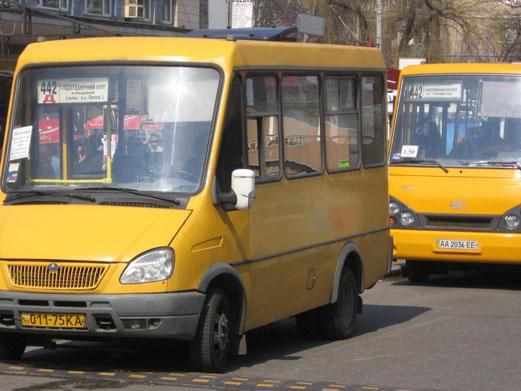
(459, 121)
(145, 128)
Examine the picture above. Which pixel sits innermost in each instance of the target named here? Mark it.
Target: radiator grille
(67, 277)
(459, 222)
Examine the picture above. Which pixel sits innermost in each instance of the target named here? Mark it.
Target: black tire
(12, 346)
(417, 273)
(308, 324)
(337, 320)
(210, 348)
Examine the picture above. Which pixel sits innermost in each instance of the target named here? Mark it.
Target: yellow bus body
(285, 253)
(462, 191)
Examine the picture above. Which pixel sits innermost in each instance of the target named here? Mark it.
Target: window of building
(56, 4)
(167, 11)
(139, 9)
(262, 125)
(341, 124)
(301, 124)
(98, 7)
(373, 120)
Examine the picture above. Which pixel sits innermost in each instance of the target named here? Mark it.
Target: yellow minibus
(190, 189)
(455, 167)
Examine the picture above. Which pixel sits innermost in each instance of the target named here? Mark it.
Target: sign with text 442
(88, 90)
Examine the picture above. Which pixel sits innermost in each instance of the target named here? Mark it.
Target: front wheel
(337, 320)
(12, 346)
(417, 273)
(211, 346)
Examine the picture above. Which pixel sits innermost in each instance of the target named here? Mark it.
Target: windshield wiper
(515, 163)
(17, 195)
(130, 191)
(420, 161)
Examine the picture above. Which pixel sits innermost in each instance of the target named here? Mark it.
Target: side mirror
(243, 185)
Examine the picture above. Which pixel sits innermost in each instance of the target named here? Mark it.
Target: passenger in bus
(482, 142)
(486, 142)
(429, 140)
(84, 162)
(155, 154)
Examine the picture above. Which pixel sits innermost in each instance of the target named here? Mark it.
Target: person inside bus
(429, 140)
(486, 141)
(84, 162)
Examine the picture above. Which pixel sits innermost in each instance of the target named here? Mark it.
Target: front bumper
(493, 247)
(161, 315)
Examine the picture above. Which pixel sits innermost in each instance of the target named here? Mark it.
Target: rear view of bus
(455, 167)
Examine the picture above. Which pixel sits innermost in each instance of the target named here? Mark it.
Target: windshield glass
(459, 120)
(140, 127)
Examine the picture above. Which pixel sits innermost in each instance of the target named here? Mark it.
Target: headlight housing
(154, 265)
(401, 216)
(510, 221)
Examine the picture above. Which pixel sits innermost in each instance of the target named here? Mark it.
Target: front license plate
(451, 244)
(54, 321)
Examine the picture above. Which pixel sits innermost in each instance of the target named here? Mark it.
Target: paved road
(459, 332)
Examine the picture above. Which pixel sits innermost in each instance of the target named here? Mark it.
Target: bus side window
(301, 123)
(231, 154)
(373, 129)
(262, 126)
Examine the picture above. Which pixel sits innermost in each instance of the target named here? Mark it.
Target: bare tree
(438, 30)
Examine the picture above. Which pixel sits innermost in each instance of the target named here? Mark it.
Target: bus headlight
(406, 219)
(401, 216)
(394, 208)
(511, 221)
(155, 265)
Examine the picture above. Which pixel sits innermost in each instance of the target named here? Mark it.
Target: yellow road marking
(45, 370)
(329, 389)
(138, 376)
(175, 374)
(337, 386)
(201, 380)
(240, 379)
(233, 383)
(76, 372)
(370, 388)
(305, 383)
(169, 378)
(106, 373)
(17, 368)
(297, 387)
(209, 376)
(264, 385)
(271, 381)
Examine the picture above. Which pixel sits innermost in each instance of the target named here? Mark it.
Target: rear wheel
(211, 346)
(12, 346)
(417, 272)
(337, 320)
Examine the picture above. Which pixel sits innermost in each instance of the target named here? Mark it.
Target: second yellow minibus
(455, 167)
(190, 189)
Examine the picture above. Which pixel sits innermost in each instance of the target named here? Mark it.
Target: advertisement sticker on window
(20, 143)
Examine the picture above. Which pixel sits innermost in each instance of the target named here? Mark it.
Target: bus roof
(225, 53)
(460, 68)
